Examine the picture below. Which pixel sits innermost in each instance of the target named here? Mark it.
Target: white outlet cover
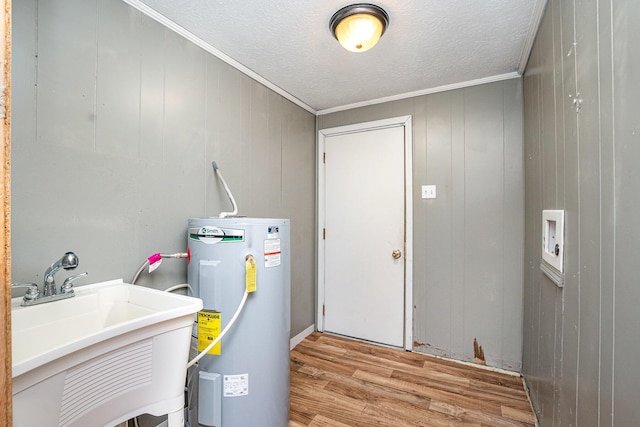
(428, 191)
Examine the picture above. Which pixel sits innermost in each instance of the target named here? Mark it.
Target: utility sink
(112, 352)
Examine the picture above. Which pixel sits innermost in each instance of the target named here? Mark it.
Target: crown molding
(491, 79)
(158, 17)
(536, 20)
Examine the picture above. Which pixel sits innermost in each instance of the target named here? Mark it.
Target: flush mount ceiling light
(358, 27)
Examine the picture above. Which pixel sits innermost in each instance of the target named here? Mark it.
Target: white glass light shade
(359, 33)
(358, 27)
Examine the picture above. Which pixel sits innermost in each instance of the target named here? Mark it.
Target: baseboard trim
(293, 342)
(526, 390)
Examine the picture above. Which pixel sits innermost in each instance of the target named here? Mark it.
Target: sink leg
(175, 419)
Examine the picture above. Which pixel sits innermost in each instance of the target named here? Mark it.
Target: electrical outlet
(428, 191)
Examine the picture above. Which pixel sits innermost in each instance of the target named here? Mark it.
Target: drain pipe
(226, 189)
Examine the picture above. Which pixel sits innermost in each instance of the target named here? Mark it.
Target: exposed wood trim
(5, 211)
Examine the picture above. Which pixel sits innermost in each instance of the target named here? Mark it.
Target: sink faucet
(69, 261)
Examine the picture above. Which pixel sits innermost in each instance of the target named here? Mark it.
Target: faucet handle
(32, 291)
(67, 287)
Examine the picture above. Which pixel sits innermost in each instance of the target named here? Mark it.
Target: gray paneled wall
(115, 123)
(468, 243)
(582, 149)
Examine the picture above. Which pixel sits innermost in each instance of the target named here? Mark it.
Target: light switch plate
(428, 191)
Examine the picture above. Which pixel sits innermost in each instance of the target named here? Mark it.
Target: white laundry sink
(112, 352)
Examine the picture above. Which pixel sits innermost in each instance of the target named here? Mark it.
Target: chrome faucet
(69, 261)
(67, 286)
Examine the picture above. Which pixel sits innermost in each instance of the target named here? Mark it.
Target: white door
(364, 235)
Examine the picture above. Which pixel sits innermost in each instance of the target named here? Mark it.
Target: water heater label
(236, 385)
(272, 253)
(208, 330)
(273, 232)
(211, 235)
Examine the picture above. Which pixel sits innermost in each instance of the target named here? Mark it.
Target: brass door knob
(396, 254)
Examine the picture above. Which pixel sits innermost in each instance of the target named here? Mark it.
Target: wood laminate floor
(340, 382)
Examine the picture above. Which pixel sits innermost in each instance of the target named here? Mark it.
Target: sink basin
(112, 352)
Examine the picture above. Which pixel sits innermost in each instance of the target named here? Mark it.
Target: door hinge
(324, 157)
(323, 310)
(324, 234)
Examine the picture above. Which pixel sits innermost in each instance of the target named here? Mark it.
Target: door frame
(323, 134)
(6, 395)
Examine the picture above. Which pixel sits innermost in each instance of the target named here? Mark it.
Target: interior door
(364, 276)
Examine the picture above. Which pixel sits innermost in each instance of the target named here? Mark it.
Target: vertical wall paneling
(607, 212)
(23, 62)
(152, 92)
(588, 50)
(437, 259)
(626, 139)
(468, 241)
(558, 111)
(225, 127)
(550, 200)
(67, 50)
(484, 185)
(513, 214)
(171, 201)
(129, 116)
(243, 178)
(118, 83)
(184, 104)
(555, 9)
(571, 291)
(533, 207)
(459, 345)
(256, 152)
(274, 153)
(420, 210)
(298, 170)
(589, 209)
(213, 144)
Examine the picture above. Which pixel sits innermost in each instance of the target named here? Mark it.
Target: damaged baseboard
(478, 353)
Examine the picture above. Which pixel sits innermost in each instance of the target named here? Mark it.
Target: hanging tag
(250, 267)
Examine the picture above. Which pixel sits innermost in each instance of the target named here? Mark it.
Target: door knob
(396, 254)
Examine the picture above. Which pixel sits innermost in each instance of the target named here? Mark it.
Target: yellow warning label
(250, 266)
(208, 330)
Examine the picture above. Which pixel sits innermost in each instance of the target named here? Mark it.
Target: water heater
(245, 380)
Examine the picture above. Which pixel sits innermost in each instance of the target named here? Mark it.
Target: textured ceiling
(428, 44)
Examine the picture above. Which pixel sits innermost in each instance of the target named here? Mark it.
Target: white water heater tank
(247, 384)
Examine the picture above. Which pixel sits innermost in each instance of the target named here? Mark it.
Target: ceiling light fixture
(358, 27)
